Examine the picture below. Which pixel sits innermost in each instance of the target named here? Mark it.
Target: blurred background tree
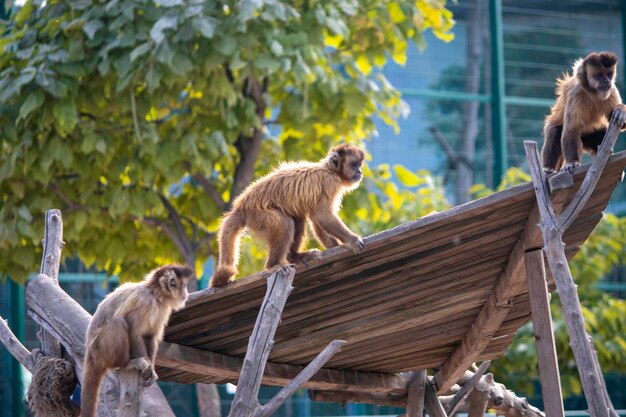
(142, 120)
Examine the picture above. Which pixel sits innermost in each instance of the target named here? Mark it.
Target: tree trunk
(469, 125)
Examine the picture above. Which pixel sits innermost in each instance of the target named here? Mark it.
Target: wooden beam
(51, 259)
(415, 393)
(466, 389)
(553, 229)
(432, 403)
(261, 342)
(544, 335)
(311, 369)
(226, 368)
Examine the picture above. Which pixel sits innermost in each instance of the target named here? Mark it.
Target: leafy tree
(605, 315)
(142, 120)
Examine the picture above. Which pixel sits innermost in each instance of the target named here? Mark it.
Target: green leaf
(226, 45)
(80, 220)
(205, 25)
(90, 28)
(24, 13)
(64, 112)
(164, 23)
(32, 102)
(140, 51)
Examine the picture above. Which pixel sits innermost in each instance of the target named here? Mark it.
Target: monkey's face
(601, 80)
(173, 280)
(352, 169)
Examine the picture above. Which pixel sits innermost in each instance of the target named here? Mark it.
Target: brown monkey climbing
(277, 207)
(578, 120)
(127, 327)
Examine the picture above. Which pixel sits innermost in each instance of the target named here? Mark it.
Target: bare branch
(15, 348)
(178, 225)
(209, 188)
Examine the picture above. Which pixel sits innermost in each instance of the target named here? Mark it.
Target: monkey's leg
(295, 255)
(324, 238)
(572, 146)
(333, 225)
(277, 229)
(551, 153)
(139, 358)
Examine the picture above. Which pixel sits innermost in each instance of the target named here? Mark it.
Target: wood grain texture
(408, 302)
(544, 334)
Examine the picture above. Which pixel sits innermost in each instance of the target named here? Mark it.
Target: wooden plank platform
(438, 292)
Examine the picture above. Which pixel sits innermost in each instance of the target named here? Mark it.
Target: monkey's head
(346, 160)
(171, 280)
(596, 73)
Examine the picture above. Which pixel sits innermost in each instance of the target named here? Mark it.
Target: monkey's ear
(334, 160)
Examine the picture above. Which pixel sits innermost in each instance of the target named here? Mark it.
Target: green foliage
(136, 118)
(605, 315)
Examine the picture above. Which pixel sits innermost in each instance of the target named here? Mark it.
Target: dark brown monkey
(127, 327)
(578, 120)
(277, 206)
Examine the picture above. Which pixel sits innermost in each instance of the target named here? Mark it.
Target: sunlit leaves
(108, 107)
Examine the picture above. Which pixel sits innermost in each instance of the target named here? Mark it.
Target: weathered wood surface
(425, 281)
(51, 260)
(67, 322)
(260, 343)
(544, 334)
(416, 391)
(553, 227)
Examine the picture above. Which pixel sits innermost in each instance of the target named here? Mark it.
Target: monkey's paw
(305, 256)
(143, 366)
(281, 268)
(619, 116)
(357, 246)
(570, 166)
(549, 170)
(151, 379)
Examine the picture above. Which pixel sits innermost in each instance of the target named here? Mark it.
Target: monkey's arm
(323, 237)
(330, 223)
(152, 346)
(571, 141)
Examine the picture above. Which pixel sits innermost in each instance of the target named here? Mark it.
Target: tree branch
(178, 225)
(208, 188)
(15, 348)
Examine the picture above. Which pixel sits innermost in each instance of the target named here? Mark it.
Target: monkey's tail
(228, 236)
(90, 389)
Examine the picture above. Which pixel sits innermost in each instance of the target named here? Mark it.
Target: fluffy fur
(277, 206)
(578, 120)
(127, 327)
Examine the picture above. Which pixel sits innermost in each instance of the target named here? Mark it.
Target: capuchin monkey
(277, 207)
(127, 327)
(579, 119)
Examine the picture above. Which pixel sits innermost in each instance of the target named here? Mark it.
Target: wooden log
(131, 393)
(553, 229)
(432, 403)
(544, 335)
(560, 180)
(416, 391)
(260, 343)
(51, 260)
(185, 358)
(15, 347)
(477, 400)
(67, 321)
(306, 374)
(466, 389)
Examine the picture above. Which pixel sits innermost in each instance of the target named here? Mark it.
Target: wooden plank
(415, 393)
(544, 336)
(226, 367)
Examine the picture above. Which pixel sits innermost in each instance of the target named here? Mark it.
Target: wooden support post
(306, 374)
(478, 399)
(466, 389)
(51, 260)
(544, 336)
(415, 393)
(432, 403)
(260, 343)
(553, 229)
(131, 393)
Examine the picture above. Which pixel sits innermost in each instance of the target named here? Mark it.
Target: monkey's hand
(357, 245)
(619, 115)
(152, 379)
(143, 366)
(570, 166)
